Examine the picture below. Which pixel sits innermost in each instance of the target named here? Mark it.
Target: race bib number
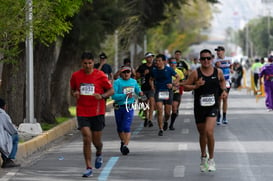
(227, 84)
(87, 89)
(207, 100)
(128, 90)
(163, 95)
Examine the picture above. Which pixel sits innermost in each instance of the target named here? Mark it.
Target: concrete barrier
(39, 142)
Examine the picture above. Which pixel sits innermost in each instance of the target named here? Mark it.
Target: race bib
(128, 90)
(207, 100)
(163, 95)
(227, 84)
(87, 89)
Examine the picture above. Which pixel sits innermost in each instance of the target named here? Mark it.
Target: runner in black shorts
(95, 123)
(206, 82)
(161, 82)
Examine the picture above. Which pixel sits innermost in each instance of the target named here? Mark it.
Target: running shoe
(211, 165)
(150, 123)
(145, 123)
(160, 133)
(165, 127)
(98, 162)
(225, 121)
(219, 121)
(171, 128)
(125, 150)
(121, 145)
(88, 172)
(204, 164)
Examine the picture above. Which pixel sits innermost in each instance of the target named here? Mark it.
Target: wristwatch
(103, 96)
(225, 89)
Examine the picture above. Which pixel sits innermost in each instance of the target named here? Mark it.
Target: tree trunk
(68, 62)
(13, 89)
(44, 64)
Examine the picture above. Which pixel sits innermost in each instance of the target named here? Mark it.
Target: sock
(173, 117)
(224, 115)
(88, 167)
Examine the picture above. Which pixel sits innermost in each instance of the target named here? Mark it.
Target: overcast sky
(235, 13)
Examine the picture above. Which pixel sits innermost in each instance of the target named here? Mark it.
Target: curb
(39, 142)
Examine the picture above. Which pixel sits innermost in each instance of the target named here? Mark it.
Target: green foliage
(260, 34)
(47, 126)
(50, 20)
(182, 27)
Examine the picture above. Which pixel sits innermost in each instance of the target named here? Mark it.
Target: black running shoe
(121, 145)
(150, 123)
(125, 150)
(165, 127)
(146, 122)
(160, 133)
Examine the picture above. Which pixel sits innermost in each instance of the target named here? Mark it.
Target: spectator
(8, 138)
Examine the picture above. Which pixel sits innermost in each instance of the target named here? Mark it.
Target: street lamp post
(30, 125)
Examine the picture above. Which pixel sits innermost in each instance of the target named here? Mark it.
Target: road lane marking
(185, 131)
(182, 146)
(9, 175)
(179, 171)
(138, 129)
(187, 120)
(107, 169)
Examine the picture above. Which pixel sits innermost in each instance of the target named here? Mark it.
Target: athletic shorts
(177, 97)
(167, 101)
(201, 113)
(95, 123)
(149, 93)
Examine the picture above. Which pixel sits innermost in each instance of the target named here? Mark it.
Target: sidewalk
(40, 142)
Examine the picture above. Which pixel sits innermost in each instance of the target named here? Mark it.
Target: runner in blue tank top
(225, 64)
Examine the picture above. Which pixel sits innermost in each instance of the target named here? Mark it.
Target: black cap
(103, 56)
(2, 103)
(219, 48)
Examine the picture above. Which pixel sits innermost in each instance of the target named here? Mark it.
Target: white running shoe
(204, 164)
(211, 165)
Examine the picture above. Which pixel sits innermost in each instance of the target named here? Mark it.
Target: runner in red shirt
(90, 87)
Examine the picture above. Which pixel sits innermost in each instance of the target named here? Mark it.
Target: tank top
(208, 94)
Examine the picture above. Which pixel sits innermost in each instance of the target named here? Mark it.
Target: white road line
(182, 146)
(179, 171)
(185, 131)
(8, 175)
(187, 120)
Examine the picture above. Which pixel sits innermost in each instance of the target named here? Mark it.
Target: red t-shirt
(87, 84)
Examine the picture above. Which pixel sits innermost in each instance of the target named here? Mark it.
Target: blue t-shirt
(162, 77)
(225, 66)
(122, 87)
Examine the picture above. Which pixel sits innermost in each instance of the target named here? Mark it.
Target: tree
(50, 22)
(182, 28)
(62, 30)
(260, 35)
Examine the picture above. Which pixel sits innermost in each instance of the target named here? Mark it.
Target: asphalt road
(243, 150)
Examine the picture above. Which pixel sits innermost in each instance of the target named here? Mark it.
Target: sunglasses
(126, 72)
(204, 58)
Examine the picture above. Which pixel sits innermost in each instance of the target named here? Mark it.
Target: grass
(59, 120)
